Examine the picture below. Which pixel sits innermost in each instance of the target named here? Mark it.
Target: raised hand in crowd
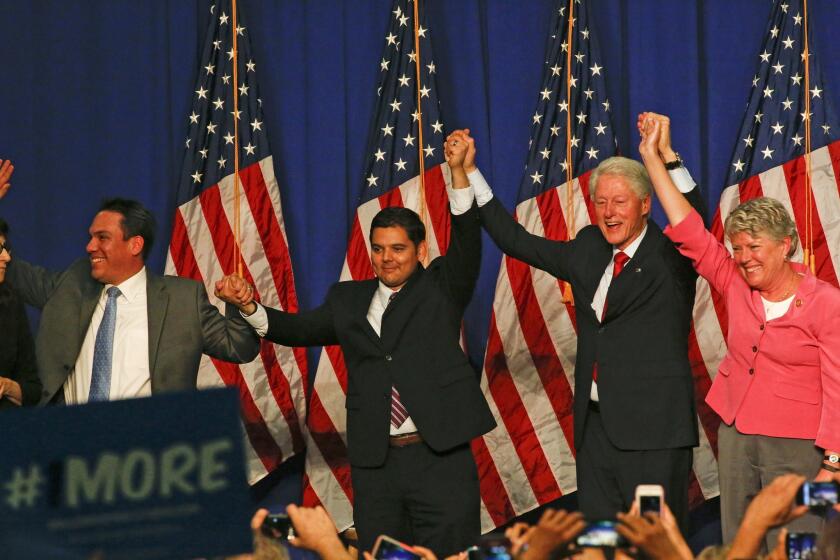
(315, 531)
(555, 529)
(771, 507)
(518, 534)
(6, 170)
(233, 289)
(651, 535)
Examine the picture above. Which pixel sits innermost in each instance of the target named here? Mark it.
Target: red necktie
(619, 261)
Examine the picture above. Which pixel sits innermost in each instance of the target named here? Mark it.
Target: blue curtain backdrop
(95, 96)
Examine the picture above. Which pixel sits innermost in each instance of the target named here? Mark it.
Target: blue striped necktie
(103, 350)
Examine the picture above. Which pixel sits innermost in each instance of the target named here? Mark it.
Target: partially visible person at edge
(19, 383)
(778, 388)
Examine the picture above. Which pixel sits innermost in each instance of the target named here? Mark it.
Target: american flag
(272, 388)
(529, 459)
(769, 157)
(391, 178)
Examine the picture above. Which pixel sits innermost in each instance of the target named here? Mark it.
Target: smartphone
(801, 546)
(818, 494)
(278, 526)
(490, 547)
(649, 498)
(601, 534)
(387, 548)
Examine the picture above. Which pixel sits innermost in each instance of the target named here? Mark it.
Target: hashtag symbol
(24, 488)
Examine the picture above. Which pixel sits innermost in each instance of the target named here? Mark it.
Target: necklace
(790, 289)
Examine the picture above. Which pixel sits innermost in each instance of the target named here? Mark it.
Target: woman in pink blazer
(778, 388)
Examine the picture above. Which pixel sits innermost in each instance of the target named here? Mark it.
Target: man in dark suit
(111, 329)
(413, 400)
(634, 412)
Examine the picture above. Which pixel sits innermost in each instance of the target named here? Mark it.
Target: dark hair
(5, 291)
(397, 216)
(137, 220)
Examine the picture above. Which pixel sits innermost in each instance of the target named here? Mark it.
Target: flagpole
(570, 201)
(808, 242)
(422, 186)
(237, 252)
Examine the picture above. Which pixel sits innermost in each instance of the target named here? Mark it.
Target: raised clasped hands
(233, 289)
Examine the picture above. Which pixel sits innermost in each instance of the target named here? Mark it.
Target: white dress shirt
(130, 375)
(259, 321)
(480, 191)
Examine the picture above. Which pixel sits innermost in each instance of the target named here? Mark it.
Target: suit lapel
(90, 297)
(361, 305)
(157, 301)
(600, 254)
(402, 308)
(624, 288)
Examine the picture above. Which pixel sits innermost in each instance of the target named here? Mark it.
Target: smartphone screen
(490, 547)
(651, 504)
(818, 494)
(601, 534)
(390, 550)
(801, 546)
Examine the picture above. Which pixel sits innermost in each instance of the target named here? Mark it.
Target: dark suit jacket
(182, 325)
(645, 384)
(17, 351)
(419, 351)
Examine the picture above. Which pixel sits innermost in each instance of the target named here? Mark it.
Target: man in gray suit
(110, 329)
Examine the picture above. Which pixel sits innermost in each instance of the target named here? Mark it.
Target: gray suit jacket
(183, 325)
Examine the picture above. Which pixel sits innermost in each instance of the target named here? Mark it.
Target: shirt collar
(631, 249)
(133, 287)
(383, 292)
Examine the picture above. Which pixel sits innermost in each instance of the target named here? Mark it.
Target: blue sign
(160, 477)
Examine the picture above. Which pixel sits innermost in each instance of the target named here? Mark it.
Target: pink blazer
(779, 378)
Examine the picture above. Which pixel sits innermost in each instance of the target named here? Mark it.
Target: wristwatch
(676, 164)
(833, 458)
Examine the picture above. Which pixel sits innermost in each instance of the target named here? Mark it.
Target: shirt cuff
(258, 320)
(483, 193)
(460, 200)
(682, 179)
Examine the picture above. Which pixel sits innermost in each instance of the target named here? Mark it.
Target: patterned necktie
(398, 412)
(103, 350)
(619, 261)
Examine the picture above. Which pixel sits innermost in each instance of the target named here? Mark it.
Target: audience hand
(555, 529)
(650, 534)
(6, 170)
(518, 534)
(315, 531)
(771, 507)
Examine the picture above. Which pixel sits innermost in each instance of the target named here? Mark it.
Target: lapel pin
(798, 302)
(638, 269)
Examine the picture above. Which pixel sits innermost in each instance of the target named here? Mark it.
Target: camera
(818, 494)
(649, 498)
(801, 546)
(387, 548)
(490, 547)
(278, 526)
(601, 534)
